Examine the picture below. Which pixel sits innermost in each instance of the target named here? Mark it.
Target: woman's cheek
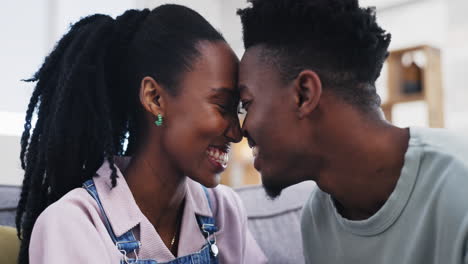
(213, 125)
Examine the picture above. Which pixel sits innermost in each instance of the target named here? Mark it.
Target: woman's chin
(209, 180)
(212, 181)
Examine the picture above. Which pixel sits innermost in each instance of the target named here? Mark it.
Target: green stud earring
(159, 122)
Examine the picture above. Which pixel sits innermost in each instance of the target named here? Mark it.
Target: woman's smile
(218, 157)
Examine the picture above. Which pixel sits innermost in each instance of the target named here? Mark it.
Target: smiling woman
(165, 81)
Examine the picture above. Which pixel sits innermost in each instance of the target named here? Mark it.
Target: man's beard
(272, 189)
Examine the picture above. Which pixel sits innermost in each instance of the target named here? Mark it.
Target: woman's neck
(158, 191)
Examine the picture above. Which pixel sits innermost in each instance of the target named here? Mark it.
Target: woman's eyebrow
(223, 90)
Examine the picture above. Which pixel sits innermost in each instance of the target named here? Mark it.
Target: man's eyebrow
(243, 88)
(244, 91)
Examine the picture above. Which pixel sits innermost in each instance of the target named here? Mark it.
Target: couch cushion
(9, 197)
(9, 245)
(275, 224)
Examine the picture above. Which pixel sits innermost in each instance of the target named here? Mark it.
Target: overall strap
(125, 243)
(207, 224)
(208, 227)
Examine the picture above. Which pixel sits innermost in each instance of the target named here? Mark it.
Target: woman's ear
(151, 96)
(308, 90)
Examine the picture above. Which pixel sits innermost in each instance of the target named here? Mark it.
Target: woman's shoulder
(228, 208)
(74, 208)
(222, 200)
(70, 226)
(231, 219)
(227, 197)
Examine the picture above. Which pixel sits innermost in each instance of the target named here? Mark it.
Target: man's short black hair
(337, 39)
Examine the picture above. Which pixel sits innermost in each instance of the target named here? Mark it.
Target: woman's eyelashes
(222, 108)
(226, 100)
(227, 107)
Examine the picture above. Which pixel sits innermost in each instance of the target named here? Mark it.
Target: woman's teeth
(218, 156)
(255, 151)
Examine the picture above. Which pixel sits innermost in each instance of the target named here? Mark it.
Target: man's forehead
(253, 67)
(252, 55)
(250, 75)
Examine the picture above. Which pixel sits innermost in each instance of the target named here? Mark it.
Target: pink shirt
(72, 230)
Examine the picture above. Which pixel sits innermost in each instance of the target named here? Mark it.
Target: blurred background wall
(30, 28)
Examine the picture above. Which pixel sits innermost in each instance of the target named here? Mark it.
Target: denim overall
(127, 243)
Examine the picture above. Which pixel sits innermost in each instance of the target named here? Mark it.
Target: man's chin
(272, 193)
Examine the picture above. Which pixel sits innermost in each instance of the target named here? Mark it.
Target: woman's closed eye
(227, 108)
(226, 100)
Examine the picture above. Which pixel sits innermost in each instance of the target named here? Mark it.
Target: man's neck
(361, 175)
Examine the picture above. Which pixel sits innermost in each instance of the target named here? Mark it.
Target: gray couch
(9, 196)
(275, 224)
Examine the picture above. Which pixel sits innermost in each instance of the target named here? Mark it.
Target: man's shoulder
(444, 156)
(316, 198)
(315, 205)
(443, 174)
(441, 143)
(450, 190)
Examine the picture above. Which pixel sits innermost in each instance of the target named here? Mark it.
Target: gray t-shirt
(425, 219)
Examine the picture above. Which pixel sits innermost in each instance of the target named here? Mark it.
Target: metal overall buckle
(124, 253)
(213, 247)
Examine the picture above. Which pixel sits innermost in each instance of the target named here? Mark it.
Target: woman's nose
(234, 132)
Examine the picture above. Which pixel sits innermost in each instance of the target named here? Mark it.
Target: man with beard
(385, 194)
